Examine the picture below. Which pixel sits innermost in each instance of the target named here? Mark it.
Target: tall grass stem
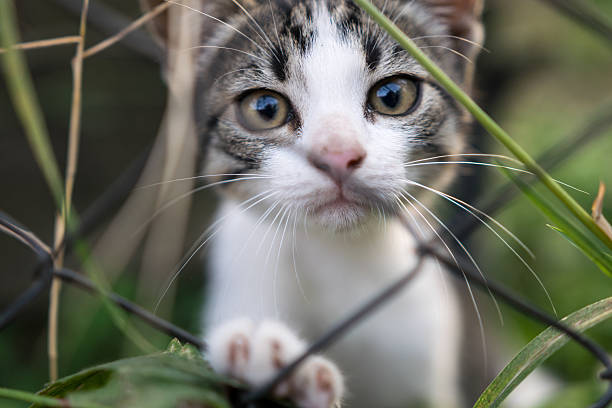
(61, 219)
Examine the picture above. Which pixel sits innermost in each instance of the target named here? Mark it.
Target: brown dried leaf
(596, 211)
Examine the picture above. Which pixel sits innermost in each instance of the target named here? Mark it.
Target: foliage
(173, 378)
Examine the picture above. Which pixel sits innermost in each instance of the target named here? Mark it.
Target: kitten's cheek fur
(254, 353)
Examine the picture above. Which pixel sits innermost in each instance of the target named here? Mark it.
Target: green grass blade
(540, 349)
(589, 246)
(43, 400)
(485, 120)
(22, 93)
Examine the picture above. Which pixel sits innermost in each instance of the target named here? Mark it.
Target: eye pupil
(389, 94)
(267, 107)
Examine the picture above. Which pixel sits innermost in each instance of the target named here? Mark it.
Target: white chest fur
(405, 352)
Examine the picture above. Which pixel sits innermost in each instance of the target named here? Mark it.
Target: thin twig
(61, 221)
(109, 22)
(127, 30)
(51, 42)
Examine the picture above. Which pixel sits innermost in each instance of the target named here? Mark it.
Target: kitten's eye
(263, 109)
(394, 96)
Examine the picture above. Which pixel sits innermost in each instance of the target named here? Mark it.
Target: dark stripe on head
(278, 62)
(372, 52)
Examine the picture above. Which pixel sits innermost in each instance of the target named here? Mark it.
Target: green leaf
(39, 399)
(539, 350)
(177, 377)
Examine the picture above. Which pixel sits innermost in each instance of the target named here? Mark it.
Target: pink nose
(338, 164)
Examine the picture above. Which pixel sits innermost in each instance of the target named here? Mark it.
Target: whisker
(498, 166)
(497, 156)
(260, 220)
(254, 175)
(448, 49)
(226, 48)
(185, 195)
(274, 21)
(220, 77)
(306, 224)
(471, 162)
(423, 236)
(266, 39)
(402, 11)
(465, 250)
(280, 247)
(218, 20)
(521, 259)
(280, 222)
(475, 44)
(263, 239)
(201, 241)
(467, 283)
(379, 216)
(456, 201)
(297, 276)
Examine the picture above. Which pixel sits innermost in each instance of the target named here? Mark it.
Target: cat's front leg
(254, 353)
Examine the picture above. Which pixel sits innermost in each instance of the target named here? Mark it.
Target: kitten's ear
(463, 20)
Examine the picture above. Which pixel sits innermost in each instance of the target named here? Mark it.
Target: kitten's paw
(229, 348)
(317, 383)
(254, 354)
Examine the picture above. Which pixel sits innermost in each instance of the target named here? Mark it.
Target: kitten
(313, 113)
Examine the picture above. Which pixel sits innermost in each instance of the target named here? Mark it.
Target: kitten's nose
(338, 163)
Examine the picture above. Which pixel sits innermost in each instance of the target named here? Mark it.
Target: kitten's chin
(340, 216)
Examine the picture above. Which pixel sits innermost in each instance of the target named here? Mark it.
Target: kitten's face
(325, 105)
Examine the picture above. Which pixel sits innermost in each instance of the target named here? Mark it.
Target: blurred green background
(543, 79)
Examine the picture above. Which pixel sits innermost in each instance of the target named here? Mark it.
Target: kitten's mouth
(340, 212)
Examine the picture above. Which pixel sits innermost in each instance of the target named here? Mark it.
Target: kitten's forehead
(342, 38)
(292, 34)
(332, 73)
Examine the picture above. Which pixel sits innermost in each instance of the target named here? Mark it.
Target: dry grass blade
(136, 24)
(597, 211)
(71, 166)
(51, 42)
